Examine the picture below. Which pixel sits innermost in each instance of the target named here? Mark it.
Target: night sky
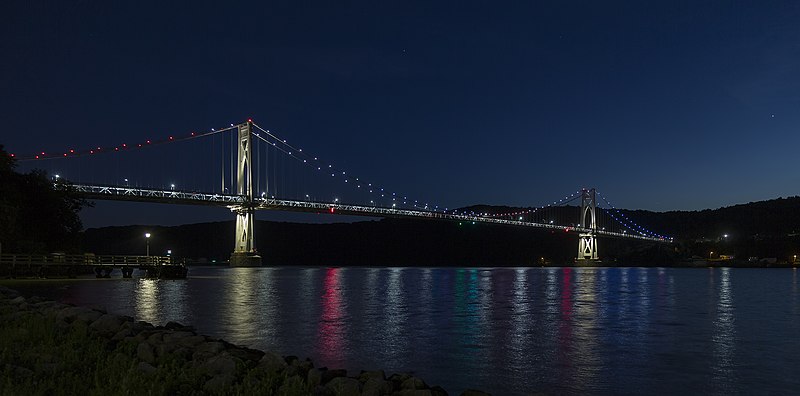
(660, 105)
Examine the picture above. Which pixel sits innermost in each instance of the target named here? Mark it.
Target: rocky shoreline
(52, 348)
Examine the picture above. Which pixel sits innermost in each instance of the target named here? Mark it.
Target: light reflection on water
(508, 331)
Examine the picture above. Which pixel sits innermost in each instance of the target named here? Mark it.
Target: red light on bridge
(249, 120)
(65, 154)
(148, 142)
(170, 138)
(91, 151)
(332, 210)
(13, 155)
(124, 145)
(71, 151)
(37, 157)
(42, 152)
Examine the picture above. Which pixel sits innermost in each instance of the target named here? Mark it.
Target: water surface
(504, 330)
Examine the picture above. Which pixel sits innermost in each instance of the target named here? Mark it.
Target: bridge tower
(244, 251)
(587, 245)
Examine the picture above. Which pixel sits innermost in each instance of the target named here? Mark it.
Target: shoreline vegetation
(51, 348)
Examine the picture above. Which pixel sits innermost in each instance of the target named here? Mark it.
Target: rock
(107, 324)
(413, 383)
(192, 341)
(473, 392)
(146, 368)
(328, 375)
(208, 349)
(122, 334)
(155, 338)
(313, 378)
(164, 349)
(299, 368)
(438, 391)
(343, 386)
(377, 387)
(272, 362)
(145, 353)
(399, 378)
(71, 314)
(291, 359)
(183, 353)
(141, 326)
(366, 375)
(219, 383)
(246, 354)
(173, 325)
(18, 300)
(413, 392)
(222, 364)
(174, 337)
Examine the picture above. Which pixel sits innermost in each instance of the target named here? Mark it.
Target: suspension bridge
(247, 168)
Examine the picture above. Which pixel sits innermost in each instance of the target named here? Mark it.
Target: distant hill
(761, 229)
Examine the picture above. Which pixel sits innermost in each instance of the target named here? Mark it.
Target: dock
(71, 265)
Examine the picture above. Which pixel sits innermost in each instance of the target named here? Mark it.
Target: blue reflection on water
(508, 331)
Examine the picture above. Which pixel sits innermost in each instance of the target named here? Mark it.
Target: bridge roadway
(118, 193)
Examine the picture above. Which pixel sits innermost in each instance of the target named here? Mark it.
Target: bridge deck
(235, 201)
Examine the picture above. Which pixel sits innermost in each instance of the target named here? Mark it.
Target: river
(508, 331)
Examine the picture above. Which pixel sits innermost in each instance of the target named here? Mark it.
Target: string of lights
(42, 155)
(355, 182)
(569, 198)
(633, 226)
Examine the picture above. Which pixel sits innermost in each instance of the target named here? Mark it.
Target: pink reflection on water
(330, 338)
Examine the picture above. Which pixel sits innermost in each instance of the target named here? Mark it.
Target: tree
(36, 215)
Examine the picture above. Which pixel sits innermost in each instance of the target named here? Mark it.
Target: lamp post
(147, 243)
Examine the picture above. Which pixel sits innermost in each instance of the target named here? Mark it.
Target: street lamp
(147, 243)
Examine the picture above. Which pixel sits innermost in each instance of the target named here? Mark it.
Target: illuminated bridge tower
(587, 245)
(244, 251)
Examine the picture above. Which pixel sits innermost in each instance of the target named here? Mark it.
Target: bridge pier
(587, 244)
(244, 251)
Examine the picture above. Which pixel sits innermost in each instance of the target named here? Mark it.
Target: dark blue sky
(660, 105)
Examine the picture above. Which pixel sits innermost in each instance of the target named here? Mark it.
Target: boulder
(174, 337)
(107, 324)
(208, 349)
(18, 300)
(155, 338)
(313, 378)
(414, 383)
(71, 314)
(271, 362)
(413, 392)
(377, 387)
(246, 354)
(192, 341)
(145, 353)
(219, 383)
(328, 375)
(366, 375)
(473, 392)
(146, 368)
(343, 386)
(222, 364)
(122, 334)
(438, 391)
